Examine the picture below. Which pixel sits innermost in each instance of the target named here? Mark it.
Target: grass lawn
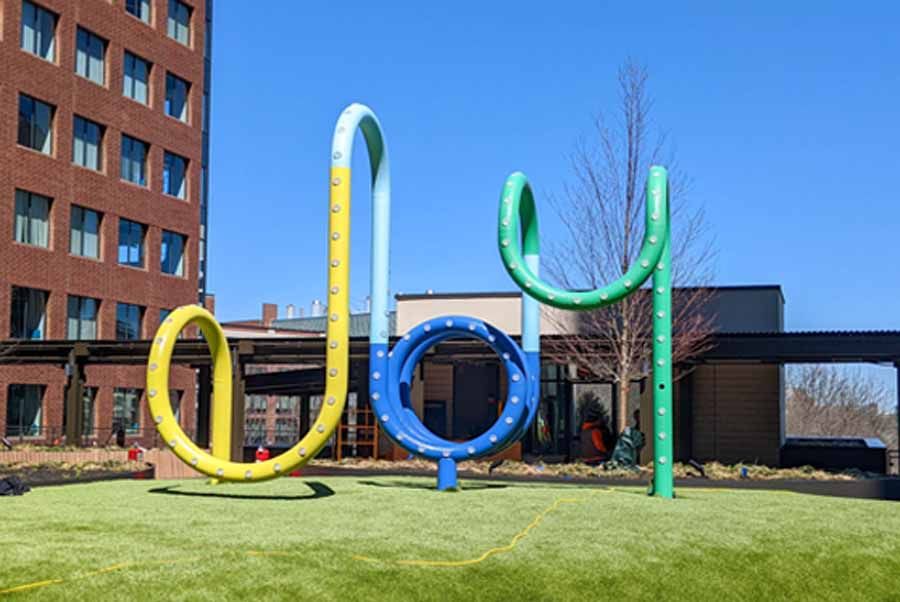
(348, 538)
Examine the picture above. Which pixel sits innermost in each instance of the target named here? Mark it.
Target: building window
(35, 124)
(177, 97)
(84, 235)
(126, 410)
(135, 83)
(174, 175)
(287, 404)
(255, 431)
(90, 396)
(90, 56)
(286, 431)
(28, 313)
(257, 403)
(131, 243)
(32, 225)
(179, 23)
(82, 318)
(23, 410)
(172, 255)
(38, 31)
(87, 143)
(139, 8)
(128, 321)
(175, 401)
(134, 160)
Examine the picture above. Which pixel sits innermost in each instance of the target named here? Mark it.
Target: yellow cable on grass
(491, 552)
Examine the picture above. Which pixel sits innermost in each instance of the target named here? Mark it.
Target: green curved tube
(518, 239)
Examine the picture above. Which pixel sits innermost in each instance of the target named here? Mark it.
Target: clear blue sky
(786, 118)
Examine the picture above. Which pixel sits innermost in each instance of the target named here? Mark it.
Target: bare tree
(830, 401)
(601, 210)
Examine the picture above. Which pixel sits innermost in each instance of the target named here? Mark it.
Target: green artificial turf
(295, 539)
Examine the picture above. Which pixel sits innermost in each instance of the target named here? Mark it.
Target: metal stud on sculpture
(518, 214)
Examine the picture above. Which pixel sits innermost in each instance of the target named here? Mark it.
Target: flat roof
(511, 294)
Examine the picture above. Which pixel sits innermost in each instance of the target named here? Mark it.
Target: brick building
(104, 108)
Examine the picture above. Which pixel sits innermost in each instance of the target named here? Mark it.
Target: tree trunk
(622, 405)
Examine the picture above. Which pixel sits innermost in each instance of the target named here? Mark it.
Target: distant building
(731, 411)
(104, 145)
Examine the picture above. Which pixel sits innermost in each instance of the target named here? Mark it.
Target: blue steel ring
(391, 373)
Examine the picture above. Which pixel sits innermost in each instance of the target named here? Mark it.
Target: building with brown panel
(104, 108)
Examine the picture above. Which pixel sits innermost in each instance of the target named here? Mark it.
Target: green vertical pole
(518, 232)
(663, 445)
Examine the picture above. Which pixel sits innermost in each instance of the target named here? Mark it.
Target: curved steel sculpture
(518, 240)
(390, 370)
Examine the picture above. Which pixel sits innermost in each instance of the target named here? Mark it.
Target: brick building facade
(103, 153)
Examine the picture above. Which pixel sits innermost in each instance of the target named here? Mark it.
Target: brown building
(103, 178)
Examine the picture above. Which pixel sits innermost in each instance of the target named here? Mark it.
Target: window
(126, 410)
(84, 236)
(179, 23)
(175, 400)
(163, 314)
(82, 318)
(134, 160)
(90, 395)
(257, 403)
(38, 30)
(131, 243)
(286, 404)
(28, 313)
(172, 255)
(139, 8)
(87, 143)
(128, 321)
(174, 175)
(35, 124)
(23, 410)
(32, 225)
(90, 56)
(177, 97)
(135, 82)
(286, 431)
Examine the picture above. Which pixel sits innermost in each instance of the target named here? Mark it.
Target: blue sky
(785, 117)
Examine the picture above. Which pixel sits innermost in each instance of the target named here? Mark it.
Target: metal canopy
(774, 347)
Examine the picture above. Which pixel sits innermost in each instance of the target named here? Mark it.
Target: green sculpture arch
(518, 240)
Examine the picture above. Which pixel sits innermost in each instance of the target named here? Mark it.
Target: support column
(238, 405)
(897, 369)
(204, 396)
(74, 405)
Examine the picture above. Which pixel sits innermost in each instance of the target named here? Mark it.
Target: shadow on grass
(319, 490)
(470, 486)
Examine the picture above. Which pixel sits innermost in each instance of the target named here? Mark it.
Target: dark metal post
(238, 404)
(74, 407)
(204, 395)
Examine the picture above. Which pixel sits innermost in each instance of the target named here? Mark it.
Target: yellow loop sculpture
(217, 464)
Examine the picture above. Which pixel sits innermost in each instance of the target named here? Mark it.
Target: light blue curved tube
(358, 116)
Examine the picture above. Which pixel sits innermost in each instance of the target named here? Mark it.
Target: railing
(55, 436)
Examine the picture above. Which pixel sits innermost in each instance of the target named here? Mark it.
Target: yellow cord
(261, 553)
(491, 552)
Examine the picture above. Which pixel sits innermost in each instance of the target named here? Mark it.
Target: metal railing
(98, 437)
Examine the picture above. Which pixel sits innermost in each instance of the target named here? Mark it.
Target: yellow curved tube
(217, 463)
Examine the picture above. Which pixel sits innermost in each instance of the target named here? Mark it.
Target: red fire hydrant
(262, 454)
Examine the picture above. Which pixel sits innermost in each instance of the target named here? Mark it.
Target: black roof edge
(509, 294)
